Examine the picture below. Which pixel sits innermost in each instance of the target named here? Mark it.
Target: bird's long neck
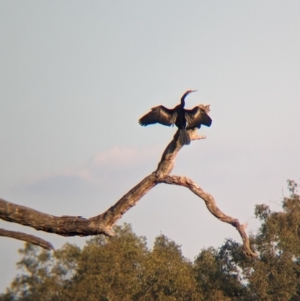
(182, 102)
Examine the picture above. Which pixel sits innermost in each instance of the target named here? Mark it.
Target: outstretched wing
(160, 115)
(197, 116)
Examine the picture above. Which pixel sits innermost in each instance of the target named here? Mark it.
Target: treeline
(123, 268)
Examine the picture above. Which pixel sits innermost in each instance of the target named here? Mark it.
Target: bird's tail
(184, 137)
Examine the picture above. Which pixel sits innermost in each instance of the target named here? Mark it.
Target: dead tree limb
(103, 223)
(212, 207)
(27, 237)
(100, 224)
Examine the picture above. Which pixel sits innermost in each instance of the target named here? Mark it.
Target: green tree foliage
(44, 275)
(217, 278)
(168, 275)
(274, 275)
(118, 268)
(110, 269)
(123, 268)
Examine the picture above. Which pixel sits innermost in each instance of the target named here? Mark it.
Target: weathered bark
(27, 237)
(212, 207)
(103, 223)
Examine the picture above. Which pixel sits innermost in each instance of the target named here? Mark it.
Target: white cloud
(101, 170)
(120, 156)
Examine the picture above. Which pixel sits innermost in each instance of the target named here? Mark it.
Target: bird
(184, 119)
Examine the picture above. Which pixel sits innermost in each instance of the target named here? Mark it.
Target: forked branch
(103, 223)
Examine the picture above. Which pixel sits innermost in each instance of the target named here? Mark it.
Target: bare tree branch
(103, 223)
(212, 207)
(26, 237)
(100, 224)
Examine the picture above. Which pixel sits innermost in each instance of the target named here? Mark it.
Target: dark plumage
(182, 118)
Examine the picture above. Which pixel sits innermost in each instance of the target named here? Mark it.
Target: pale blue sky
(75, 76)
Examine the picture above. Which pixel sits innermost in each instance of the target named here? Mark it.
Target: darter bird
(182, 118)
